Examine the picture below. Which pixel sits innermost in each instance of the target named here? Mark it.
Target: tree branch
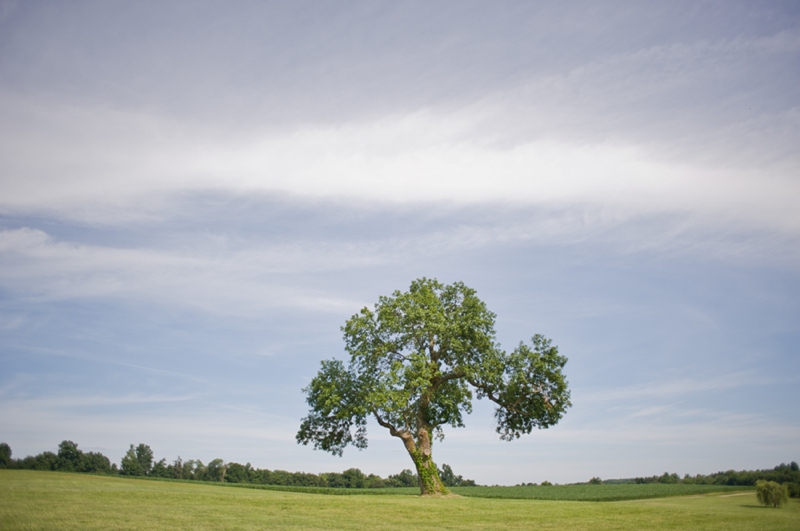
(389, 426)
(444, 378)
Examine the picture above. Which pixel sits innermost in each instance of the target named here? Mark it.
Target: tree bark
(430, 484)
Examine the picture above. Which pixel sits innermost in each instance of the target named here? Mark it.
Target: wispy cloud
(67, 401)
(97, 358)
(233, 282)
(679, 388)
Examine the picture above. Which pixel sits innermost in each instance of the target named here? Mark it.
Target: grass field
(50, 500)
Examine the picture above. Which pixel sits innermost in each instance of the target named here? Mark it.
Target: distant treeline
(139, 461)
(783, 473)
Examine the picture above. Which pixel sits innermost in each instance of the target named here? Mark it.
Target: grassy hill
(49, 500)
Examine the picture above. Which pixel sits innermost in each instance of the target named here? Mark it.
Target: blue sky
(195, 196)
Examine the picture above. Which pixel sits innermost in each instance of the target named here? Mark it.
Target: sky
(195, 196)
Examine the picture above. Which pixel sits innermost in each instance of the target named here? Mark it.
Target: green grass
(50, 500)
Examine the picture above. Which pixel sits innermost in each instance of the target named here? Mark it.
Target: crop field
(50, 500)
(595, 492)
(555, 492)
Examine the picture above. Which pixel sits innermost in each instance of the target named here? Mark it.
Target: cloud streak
(421, 157)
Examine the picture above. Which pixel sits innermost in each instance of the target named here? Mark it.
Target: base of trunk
(429, 482)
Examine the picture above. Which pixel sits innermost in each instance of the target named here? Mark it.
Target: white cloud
(73, 160)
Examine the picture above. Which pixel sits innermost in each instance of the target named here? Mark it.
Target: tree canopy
(416, 360)
(137, 461)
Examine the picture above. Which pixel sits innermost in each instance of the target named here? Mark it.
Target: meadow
(33, 500)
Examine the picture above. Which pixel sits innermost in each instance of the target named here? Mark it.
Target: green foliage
(215, 471)
(5, 455)
(546, 484)
(782, 473)
(415, 361)
(130, 464)
(95, 462)
(595, 481)
(772, 494)
(42, 461)
(160, 469)
(354, 479)
(69, 457)
(668, 478)
(376, 482)
(406, 478)
(194, 469)
(448, 476)
(237, 473)
(450, 479)
(145, 457)
(138, 461)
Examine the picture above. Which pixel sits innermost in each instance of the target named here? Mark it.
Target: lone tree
(414, 362)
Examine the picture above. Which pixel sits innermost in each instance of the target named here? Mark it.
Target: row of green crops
(555, 492)
(617, 492)
(627, 491)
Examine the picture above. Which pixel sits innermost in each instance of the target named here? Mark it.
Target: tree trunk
(429, 481)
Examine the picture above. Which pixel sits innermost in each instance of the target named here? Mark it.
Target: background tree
(69, 457)
(216, 470)
(448, 477)
(237, 473)
(160, 469)
(194, 469)
(95, 462)
(5, 455)
(772, 494)
(374, 481)
(176, 469)
(406, 478)
(354, 479)
(415, 361)
(130, 465)
(145, 457)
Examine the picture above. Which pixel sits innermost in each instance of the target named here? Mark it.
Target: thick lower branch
(404, 435)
